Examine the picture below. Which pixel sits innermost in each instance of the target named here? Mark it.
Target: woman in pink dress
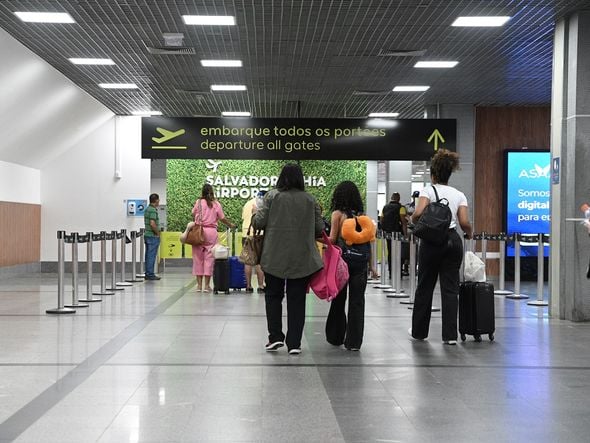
(207, 212)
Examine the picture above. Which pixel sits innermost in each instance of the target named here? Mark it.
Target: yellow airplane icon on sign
(167, 135)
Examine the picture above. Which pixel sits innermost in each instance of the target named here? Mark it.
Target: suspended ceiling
(307, 58)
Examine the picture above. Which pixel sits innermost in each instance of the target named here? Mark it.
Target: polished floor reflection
(160, 362)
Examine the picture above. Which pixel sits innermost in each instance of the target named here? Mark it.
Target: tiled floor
(162, 363)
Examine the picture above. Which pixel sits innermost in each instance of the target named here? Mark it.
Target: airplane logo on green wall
(167, 135)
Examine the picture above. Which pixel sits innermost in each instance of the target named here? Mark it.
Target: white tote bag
(475, 269)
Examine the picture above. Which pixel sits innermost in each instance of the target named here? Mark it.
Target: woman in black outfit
(440, 261)
(347, 201)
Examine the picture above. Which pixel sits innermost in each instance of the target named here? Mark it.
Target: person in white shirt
(440, 261)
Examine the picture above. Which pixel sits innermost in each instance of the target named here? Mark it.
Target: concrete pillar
(465, 115)
(399, 179)
(371, 198)
(570, 142)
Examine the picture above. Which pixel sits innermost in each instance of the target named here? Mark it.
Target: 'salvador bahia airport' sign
(296, 139)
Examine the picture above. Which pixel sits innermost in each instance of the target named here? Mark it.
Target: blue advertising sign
(528, 175)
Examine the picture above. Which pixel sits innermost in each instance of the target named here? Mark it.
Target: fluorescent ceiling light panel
(45, 17)
(207, 20)
(91, 61)
(228, 87)
(384, 114)
(221, 63)
(439, 64)
(235, 114)
(481, 21)
(146, 113)
(411, 88)
(118, 85)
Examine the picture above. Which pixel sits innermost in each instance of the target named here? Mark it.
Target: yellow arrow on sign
(436, 136)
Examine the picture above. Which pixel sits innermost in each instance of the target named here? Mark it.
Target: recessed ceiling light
(146, 113)
(384, 114)
(220, 20)
(411, 88)
(45, 17)
(221, 63)
(228, 87)
(118, 85)
(481, 21)
(436, 64)
(235, 114)
(91, 61)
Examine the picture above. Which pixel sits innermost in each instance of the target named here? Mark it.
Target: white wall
(43, 113)
(79, 191)
(19, 184)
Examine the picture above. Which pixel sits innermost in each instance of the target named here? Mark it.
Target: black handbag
(433, 225)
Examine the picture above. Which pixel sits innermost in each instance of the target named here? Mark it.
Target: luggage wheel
(463, 337)
(477, 338)
(491, 336)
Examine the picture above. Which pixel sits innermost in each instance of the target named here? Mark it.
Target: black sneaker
(153, 277)
(260, 290)
(273, 346)
(249, 290)
(295, 351)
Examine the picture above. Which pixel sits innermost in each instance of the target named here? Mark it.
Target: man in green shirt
(151, 236)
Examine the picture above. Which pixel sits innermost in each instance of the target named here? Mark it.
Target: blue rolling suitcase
(237, 274)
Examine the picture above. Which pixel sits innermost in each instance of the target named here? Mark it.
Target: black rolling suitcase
(221, 276)
(476, 310)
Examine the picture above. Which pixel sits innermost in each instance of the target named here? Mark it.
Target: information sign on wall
(527, 187)
(296, 139)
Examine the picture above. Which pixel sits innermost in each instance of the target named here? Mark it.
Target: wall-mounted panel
(20, 236)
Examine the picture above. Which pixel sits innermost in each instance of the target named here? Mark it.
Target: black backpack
(357, 255)
(391, 220)
(434, 223)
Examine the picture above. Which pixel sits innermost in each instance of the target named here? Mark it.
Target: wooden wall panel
(20, 233)
(497, 129)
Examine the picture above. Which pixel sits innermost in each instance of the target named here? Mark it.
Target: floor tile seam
(26, 416)
(354, 365)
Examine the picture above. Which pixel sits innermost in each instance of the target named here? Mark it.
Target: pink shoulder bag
(329, 281)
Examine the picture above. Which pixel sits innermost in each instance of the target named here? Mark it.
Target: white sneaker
(414, 338)
(295, 351)
(450, 342)
(273, 346)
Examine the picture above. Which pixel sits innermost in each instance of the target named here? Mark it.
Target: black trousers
(338, 330)
(296, 293)
(434, 262)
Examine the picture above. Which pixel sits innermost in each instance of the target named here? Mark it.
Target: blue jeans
(151, 251)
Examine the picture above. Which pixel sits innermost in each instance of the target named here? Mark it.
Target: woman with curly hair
(347, 202)
(440, 261)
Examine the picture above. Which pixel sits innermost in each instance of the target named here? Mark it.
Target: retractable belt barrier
(89, 238)
(382, 237)
(395, 267)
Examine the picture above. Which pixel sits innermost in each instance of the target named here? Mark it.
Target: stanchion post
(517, 295)
(103, 265)
(141, 254)
(122, 281)
(61, 309)
(412, 272)
(114, 286)
(134, 278)
(502, 277)
(540, 274)
(484, 251)
(75, 302)
(383, 284)
(396, 268)
(89, 274)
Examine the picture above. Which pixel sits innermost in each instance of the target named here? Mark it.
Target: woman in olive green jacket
(292, 221)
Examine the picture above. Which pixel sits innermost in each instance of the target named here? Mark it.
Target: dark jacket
(291, 221)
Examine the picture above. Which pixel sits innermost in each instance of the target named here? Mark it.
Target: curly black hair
(443, 164)
(346, 198)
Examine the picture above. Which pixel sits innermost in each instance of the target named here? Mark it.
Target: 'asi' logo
(537, 172)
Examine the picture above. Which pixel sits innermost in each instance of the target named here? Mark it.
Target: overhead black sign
(297, 139)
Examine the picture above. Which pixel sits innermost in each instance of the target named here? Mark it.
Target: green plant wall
(185, 179)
